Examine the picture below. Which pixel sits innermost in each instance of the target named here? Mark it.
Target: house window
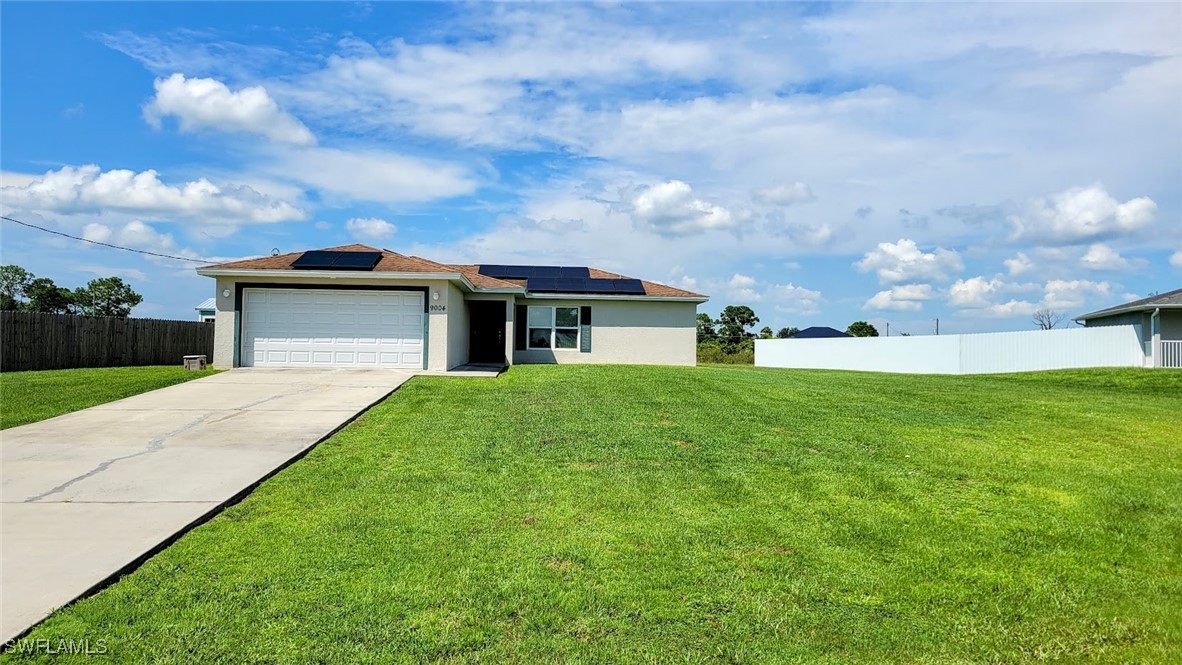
(553, 327)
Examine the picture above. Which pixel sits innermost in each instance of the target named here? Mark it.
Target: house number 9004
(438, 308)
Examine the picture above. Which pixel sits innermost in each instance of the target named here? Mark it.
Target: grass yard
(711, 514)
(27, 397)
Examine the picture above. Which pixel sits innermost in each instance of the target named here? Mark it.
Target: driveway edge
(238, 497)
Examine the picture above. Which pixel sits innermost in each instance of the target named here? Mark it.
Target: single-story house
(819, 332)
(207, 310)
(358, 306)
(1159, 319)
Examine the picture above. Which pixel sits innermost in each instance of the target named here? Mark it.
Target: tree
(1046, 319)
(785, 333)
(107, 296)
(766, 333)
(45, 296)
(861, 329)
(13, 281)
(706, 331)
(734, 321)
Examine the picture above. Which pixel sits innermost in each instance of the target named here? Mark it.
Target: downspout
(1153, 341)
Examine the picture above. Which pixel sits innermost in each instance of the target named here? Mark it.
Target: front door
(486, 321)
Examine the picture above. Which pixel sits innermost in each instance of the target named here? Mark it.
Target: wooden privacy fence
(34, 340)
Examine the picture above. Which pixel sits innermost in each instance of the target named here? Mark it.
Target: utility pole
(937, 326)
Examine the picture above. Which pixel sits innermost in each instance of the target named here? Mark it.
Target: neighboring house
(818, 332)
(1159, 319)
(357, 306)
(207, 310)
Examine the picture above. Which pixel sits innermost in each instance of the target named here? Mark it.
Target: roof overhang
(1124, 310)
(330, 275)
(602, 296)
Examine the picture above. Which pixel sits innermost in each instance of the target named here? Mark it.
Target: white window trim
(553, 329)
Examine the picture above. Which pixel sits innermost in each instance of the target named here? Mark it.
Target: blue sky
(820, 163)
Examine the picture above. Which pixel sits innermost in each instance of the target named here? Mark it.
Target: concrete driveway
(88, 493)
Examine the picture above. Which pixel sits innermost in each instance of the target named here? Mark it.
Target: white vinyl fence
(1171, 354)
(984, 353)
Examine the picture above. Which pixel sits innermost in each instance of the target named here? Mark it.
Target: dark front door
(486, 320)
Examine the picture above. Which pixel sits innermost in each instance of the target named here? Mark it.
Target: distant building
(1159, 319)
(818, 332)
(207, 310)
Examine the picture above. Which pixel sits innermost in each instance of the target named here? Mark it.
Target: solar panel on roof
(628, 286)
(357, 261)
(526, 272)
(325, 260)
(588, 285)
(571, 284)
(315, 259)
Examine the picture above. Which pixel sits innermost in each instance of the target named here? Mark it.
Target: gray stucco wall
(1128, 318)
(1171, 324)
(629, 332)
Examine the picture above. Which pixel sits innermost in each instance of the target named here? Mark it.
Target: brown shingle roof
(395, 262)
(472, 272)
(391, 261)
(1167, 299)
(650, 288)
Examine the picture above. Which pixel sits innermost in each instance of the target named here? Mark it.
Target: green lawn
(734, 514)
(27, 397)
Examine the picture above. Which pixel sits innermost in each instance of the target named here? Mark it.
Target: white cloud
(797, 299)
(683, 281)
(785, 195)
(371, 228)
(739, 281)
(322, 226)
(903, 298)
(138, 235)
(903, 261)
(205, 103)
(510, 74)
(742, 287)
(1176, 259)
(1102, 257)
(984, 297)
(670, 208)
(1071, 294)
(975, 292)
(1011, 308)
(96, 232)
(1019, 265)
(372, 175)
(1081, 214)
(89, 189)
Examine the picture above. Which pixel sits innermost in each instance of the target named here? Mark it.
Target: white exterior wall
(627, 332)
(437, 337)
(457, 326)
(986, 353)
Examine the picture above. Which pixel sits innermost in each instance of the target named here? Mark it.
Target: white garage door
(323, 328)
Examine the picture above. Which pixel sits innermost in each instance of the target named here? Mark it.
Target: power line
(104, 244)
